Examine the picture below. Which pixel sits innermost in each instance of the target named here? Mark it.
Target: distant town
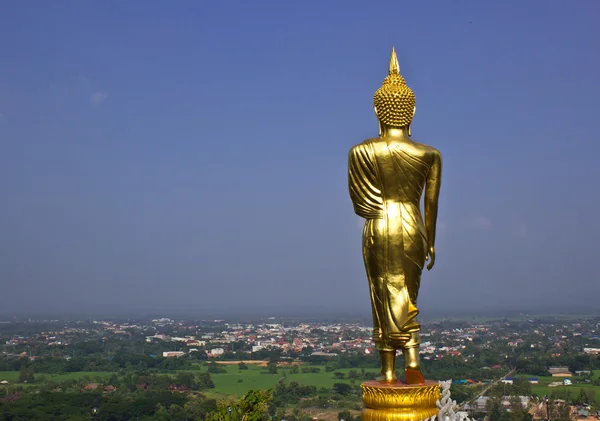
(549, 366)
(219, 338)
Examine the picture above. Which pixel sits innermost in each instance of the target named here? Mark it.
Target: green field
(236, 382)
(256, 377)
(229, 383)
(542, 389)
(259, 378)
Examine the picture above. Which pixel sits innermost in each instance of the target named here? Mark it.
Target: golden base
(399, 401)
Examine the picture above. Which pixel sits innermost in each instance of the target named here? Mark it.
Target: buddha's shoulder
(365, 147)
(426, 149)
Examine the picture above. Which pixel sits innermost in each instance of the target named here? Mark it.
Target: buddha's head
(394, 102)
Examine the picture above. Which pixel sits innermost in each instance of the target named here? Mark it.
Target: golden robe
(386, 180)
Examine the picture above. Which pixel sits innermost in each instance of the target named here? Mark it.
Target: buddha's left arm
(432, 193)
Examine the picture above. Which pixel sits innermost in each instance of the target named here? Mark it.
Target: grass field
(258, 378)
(255, 377)
(237, 382)
(542, 389)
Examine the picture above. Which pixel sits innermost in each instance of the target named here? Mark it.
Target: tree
(253, 406)
(197, 409)
(286, 394)
(460, 393)
(215, 368)
(342, 388)
(26, 372)
(494, 409)
(561, 412)
(204, 381)
(582, 397)
(345, 416)
(517, 412)
(272, 367)
(162, 414)
(307, 350)
(177, 413)
(186, 379)
(522, 387)
(295, 369)
(242, 366)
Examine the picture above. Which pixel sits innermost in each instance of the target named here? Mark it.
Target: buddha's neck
(398, 132)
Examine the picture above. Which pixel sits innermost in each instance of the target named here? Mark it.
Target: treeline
(128, 362)
(537, 364)
(147, 405)
(497, 412)
(519, 387)
(346, 360)
(292, 393)
(182, 380)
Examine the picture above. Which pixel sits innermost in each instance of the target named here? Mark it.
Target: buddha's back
(410, 163)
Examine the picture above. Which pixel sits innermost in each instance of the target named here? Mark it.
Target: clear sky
(191, 155)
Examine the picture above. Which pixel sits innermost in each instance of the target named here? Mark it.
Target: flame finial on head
(394, 65)
(394, 101)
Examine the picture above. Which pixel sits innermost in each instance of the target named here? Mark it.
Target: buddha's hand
(430, 257)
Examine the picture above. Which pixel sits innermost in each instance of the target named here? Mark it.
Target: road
(483, 392)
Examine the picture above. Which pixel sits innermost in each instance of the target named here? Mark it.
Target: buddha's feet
(413, 376)
(388, 366)
(387, 378)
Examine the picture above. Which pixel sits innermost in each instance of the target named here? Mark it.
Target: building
(560, 371)
(506, 402)
(171, 354)
(215, 352)
(534, 380)
(480, 403)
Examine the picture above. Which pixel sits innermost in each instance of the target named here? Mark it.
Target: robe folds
(386, 180)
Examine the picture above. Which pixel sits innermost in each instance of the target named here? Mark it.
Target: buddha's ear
(410, 124)
(378, 122)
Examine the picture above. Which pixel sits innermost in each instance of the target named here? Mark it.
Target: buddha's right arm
(432, 193)
(363, 184)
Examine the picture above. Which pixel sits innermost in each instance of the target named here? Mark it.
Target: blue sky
(192, 155)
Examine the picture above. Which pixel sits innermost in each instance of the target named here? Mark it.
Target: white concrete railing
(446, 406)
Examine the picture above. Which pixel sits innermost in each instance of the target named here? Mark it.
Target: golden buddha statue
(387, 176)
